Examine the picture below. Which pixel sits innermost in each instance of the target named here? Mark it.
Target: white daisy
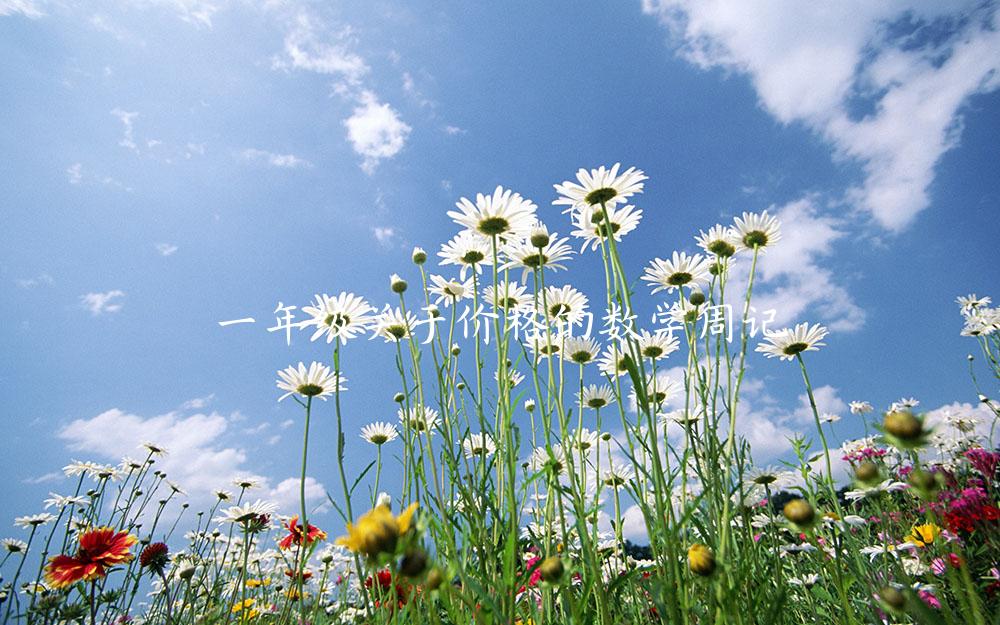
(514, 377)
(617, 475)
(545, 343)
(905, 403)
(680, 271)
(656, 345)
(719, 241)
(971, 302)
(13, 545)
(829, 417)
(562, 305)
(584, 440)
(612, 361)
(593, 224)
(78, 467)
(506, 295)
(982, 322)
(580, 350)
(246, 512)
(247, 482)
(659, 388)
(34, 520)
(316, 381)
(450, 291)
(154, 449)
(595, 396)
(478, 446)
(379, 433)
(393, 326)
(419, 418)
(757, 230)
(505, 214)
(598, 186)
(540, 458)
(468, 251)
(787, 343)
(62, 501)
(860, 407)
(341, 317)
(523, 254)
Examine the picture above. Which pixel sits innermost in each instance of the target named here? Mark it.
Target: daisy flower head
(468, 251)
(757, 231)
(505, 214)
(679, 271)
(379, 433)
(617, 475)
(593, 224)
(247, 512)
(982, 322)
(419, 418)
(393, 326)
(13, 545)
(658, 389)
(860, 407)
(829, 417)
(343, 317)
(768, 477)
(540, 459)
(478, 446)
(450, 291)
(100, 549)
(719, 241)
(524, 254)
(154, 449)
(656, 345)
(563, 305)
(315, 381)
(596, 397)
(505, 295)
(34, 520)
(584, 440)
(247, 482)
(599, 186)
(545, 344)
(580, 350)
(971, 302)
(788, 343)
(613, 361)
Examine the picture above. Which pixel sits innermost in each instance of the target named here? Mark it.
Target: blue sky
(169, 164)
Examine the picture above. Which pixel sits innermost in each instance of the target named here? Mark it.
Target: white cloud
(196, 460)
(285, 161)
(286, 495)
(198, 403)
(30, 283)
(100, 303)
(453, 130)
(634, 524)
(54, 476)
(375, 131)
(308, 49)
(74, 173)
(827, 401)
(194, 148)
(128, 121)
(813, 62)
(27, 8)
(166, 249)
(792, 281)
(383, 235)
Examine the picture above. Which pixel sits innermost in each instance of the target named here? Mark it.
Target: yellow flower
(923, 535)
(254, 583)
(701, 560)
(239, 606)
(377, 531)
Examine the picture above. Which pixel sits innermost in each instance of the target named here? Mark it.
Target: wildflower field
(524, 433)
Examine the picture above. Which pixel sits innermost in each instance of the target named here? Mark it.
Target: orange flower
(295, 534)
(100, 549)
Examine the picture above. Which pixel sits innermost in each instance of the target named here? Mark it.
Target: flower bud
(551, 569)
(413, 563)
(397, 284)
(903, 425)
(455, 349)
(892, 598)
(419, 256)
(186, 572)
(867, 472)
(398, 398)
(434, 579)
(697, 298)
(701, 560)
(799, 512)
(529, 405)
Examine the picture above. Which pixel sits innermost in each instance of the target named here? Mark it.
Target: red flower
(295, 534)
(100, 549)
(402, 591)
(155, 557)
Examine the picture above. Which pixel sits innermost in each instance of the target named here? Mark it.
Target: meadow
(530, 417)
